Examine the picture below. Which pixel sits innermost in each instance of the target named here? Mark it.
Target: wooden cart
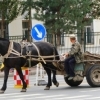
(90, 69)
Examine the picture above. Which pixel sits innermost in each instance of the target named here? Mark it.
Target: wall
(15, 27)
(96, 25)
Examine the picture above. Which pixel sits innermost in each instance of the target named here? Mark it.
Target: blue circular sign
(38, 32)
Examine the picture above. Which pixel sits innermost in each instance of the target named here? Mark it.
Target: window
(62, 40)
(25, 24)
(25, 28)
(89, 35)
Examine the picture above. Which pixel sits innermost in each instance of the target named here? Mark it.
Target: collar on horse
(11, 50)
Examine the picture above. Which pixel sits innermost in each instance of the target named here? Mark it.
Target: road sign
(38, 32)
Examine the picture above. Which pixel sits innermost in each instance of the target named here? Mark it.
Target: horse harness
(17, 54)
(11, 50)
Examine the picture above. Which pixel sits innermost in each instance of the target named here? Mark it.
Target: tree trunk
(54, 39)
(58, 39)
(83, 39)
(2, 26)
(29, 26)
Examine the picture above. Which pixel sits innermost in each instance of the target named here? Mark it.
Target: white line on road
(91, 98)
(9, 94)
(19, 96)
(90, 90)
(18, 99)
(73, 97)
(50, 96)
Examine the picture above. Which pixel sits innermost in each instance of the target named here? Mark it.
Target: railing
(91, 41)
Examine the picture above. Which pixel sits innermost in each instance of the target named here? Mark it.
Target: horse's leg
(6, 73)
(54, 80)
(22, 78)
(48, 71)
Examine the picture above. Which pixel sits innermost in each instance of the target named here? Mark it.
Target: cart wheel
(93, 76)
(72, 83)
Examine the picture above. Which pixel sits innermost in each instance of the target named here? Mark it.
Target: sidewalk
(32, 71)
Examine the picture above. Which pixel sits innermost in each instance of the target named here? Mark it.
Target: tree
(27, 5)
(82, 12)
(60, 16)
(10, 9)
(49, 11)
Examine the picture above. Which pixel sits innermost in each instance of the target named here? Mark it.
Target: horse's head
(4, 44)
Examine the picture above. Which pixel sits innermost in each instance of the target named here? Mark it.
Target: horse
(15, 57)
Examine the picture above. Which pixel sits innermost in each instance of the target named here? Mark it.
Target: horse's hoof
(47, 88)
(2, 91)
(23, 90)
(57, 84)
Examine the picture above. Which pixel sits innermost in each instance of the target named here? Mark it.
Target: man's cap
(72, 36)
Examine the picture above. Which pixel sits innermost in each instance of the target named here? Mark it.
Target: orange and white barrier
(17, 80)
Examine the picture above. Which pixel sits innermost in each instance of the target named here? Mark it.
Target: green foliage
(96, 8)
(60, 15)
(10, 9)
(27, 5)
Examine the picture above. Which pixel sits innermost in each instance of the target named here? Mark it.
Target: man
(72, 57)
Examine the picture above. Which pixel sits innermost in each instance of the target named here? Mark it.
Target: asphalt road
(63, 92)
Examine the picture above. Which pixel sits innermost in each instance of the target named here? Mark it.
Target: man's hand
(66, 54)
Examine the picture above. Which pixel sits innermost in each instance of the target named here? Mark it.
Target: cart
(89, 68)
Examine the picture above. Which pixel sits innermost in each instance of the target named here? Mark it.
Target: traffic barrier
(40, 75)
(17, 80)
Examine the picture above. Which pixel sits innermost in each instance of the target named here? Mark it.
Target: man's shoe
(70, 78)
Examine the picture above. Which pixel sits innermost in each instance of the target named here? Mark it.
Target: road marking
(50, 96)
(90, 90)
(21, 95)
(91, 98)
(73, 97)
(18, 99)
(8, 94)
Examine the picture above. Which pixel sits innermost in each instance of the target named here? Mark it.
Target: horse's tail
(56, 54)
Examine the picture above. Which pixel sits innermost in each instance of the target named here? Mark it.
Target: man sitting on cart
(72, 57)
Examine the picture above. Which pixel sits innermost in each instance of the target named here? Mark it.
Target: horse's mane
(3, 39)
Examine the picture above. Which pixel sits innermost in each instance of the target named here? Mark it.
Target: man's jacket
(76, 52)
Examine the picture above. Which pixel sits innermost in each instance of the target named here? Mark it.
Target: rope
(11, 51)
(39, 53)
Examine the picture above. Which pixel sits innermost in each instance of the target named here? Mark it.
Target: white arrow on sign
(39, 34)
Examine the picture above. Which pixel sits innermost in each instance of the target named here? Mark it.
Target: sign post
(38, 32)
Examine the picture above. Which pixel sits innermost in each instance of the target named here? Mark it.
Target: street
(63, 92)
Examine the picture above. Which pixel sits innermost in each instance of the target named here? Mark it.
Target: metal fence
(91, 41)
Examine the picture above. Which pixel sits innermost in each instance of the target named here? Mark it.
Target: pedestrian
(74, 56)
